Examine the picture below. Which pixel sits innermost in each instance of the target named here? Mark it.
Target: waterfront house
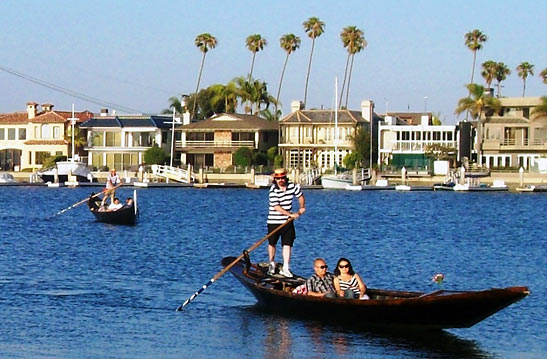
(213, 142)
(308, 137)
(403, 143)
(28, 138)
(513, 136)
(119, 141)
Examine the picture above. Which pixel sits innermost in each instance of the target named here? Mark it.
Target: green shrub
(155, 155)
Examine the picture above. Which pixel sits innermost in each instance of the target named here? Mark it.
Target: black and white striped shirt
(284, 199)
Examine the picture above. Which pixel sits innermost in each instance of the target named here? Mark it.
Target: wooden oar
(221, 273)
(105, 191)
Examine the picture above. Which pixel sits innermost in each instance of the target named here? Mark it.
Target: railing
(174, 173)
(213, 144)
(525, 142)
(309, 176)
(413, 146)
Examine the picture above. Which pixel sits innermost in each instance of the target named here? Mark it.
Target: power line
(69, 92)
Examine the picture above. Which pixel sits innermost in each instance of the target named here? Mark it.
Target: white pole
(72, 121)
(335, 123)
(172, 139)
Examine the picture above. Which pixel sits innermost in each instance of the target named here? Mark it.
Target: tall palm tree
(176, 104)
(525, 69)
(501, 74)
(543, 75)
(314, 28)
(255, 43)
(289, 43)
(477, 103)
(541, 110)
(474, 41)
(204, 42)
(354, 41)
(489, 72)
(228, 94)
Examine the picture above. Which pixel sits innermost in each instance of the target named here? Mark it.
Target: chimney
(186, 118)
(425, 120)
(31, 109)
(104, 112)
(367, 109)
(296, 106)
(47, 107)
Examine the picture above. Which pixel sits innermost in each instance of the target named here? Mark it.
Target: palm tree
(204, 42)
(255, 43)
(525, 69)
(289, 43)
(543, 75)
(354, 41)
(477, 103)
(501, 74)
(228, 94)
(489, 72)
(541, 110)
(474, 41)
(314, 28)
(176, 104)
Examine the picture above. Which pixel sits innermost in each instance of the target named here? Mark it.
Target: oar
(85, 200)
(221, 273)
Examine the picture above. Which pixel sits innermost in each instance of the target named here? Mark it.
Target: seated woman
(348, 284)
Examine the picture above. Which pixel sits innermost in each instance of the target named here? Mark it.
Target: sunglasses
(323, 267)
(280, 178)
(343, 266)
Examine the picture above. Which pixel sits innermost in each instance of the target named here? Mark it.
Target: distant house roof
(43, 117)
(234, 122)
(325, 116)
(129, 121)
(412, 118)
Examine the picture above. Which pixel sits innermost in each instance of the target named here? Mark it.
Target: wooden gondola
(127, 215)
(440, 309)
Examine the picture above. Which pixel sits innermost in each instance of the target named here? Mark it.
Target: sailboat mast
(72, 121)
(335, 123)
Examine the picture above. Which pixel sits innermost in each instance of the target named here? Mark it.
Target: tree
(204, 104)
(270, 115)
(477, 104)
(80, 140)
(361, 148)
(313, 28)
(501, 74)
(541, 110)
(289, 43)
(255, 43)
(474, 41)
(155, 155)
(489, 72)
(354, 41)
(176, 104)
(255, 92)
(437, 152)
(436, 120)
(543, 75)
(225, 94)
(525, 69)
(243, 156)
(204, 42)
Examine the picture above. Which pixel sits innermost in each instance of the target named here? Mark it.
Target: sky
(136, 54)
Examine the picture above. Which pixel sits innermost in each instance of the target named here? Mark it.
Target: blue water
(74, 288)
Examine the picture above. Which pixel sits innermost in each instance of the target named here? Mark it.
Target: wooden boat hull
(436, 310)
(126, 215)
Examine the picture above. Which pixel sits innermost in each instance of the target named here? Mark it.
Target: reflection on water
(321, 340)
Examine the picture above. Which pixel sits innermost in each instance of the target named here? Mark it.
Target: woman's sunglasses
(343, 266)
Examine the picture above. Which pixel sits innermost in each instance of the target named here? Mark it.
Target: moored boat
(63, 169)
(386, 308)
(127, 215)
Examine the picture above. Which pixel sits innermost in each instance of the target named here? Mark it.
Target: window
(97, 138)
(56, 132)
(41, 157)
(45, 132)
(418, 136)
(406, 135)
(113, 139)
(164, 136)
(436, 136)
(11, 133)
(294, 158)
(2, 133)
(243, 136)
(22, 133)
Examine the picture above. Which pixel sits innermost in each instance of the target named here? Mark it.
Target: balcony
(418, 147)
(214, 144)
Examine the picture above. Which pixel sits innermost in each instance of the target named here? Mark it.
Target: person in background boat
(348, 284)
(128, 202)
(281, 195)
(321, 284)
(115, 205)
(112, 181)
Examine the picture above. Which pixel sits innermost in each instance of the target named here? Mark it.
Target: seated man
(321, 284)
(114, 206)
(128, 202)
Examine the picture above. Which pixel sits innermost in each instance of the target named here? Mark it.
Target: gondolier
(112, 181)
(281, 196)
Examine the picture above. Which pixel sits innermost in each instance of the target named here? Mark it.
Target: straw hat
(280, 172)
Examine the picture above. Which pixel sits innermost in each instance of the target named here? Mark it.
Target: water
(71, 287)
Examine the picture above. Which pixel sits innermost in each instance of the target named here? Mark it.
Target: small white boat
(6, 177)
(402, 187)
(63, 169)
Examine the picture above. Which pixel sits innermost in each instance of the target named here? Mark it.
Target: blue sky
(139, 53)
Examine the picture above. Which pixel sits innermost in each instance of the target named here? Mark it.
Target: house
(308, 137)
(513, 136)
(119, 141)
(405, 145)
(28, 138)
(213, 142)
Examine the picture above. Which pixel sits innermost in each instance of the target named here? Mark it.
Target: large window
(11, 133)
(97, 138)
(2, 133)
(113, 139)
(41, 157)
(45, 132)
(243, 136)
(200, 136)
(56, 132)
(22, 133)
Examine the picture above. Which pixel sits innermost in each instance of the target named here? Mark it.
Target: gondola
(441, 309)
(127, 215)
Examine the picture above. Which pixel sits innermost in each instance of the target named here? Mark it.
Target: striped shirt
(278, 197)
(352, 284)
